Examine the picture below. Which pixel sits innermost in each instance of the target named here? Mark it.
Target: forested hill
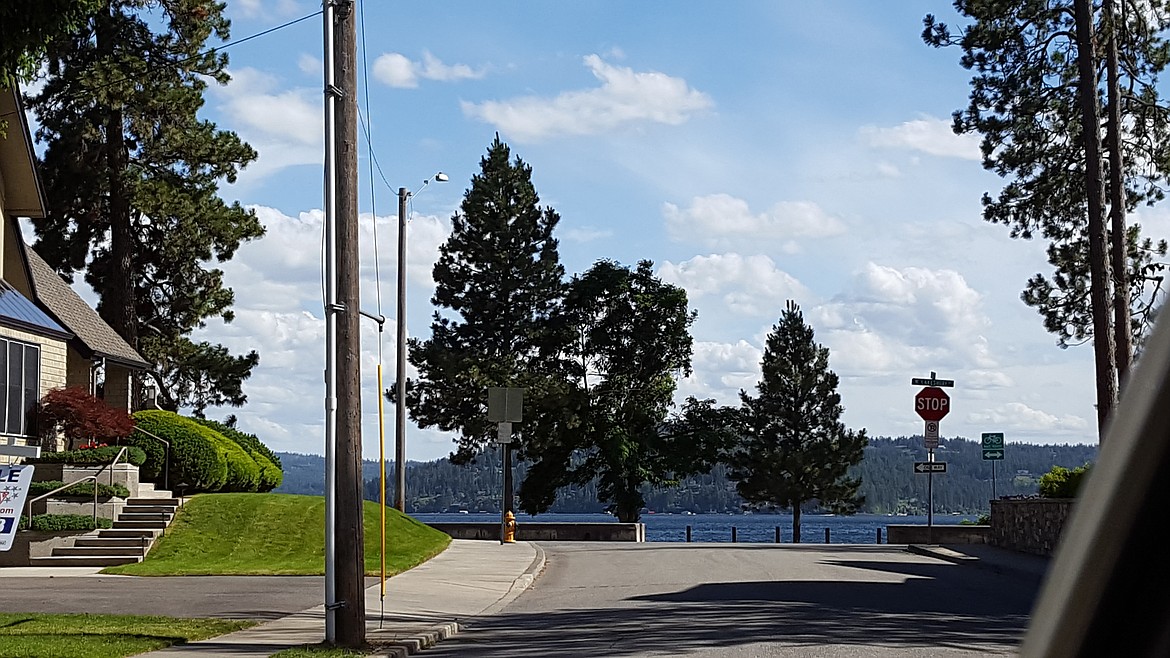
(889, 483)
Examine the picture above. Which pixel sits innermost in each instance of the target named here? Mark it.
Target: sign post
(14, 484)
(992, 451)
(505, 406)
(931, 404)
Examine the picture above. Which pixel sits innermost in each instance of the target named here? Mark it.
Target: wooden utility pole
(349, 571)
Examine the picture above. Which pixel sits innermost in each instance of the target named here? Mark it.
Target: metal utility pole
(330, 301)
(400, 362)
(349, 571)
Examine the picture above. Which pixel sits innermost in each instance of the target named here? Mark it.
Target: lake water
(856, 529)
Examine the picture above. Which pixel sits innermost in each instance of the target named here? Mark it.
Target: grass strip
(252, 534)
(36, 635)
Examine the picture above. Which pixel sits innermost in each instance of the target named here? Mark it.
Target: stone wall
(1029, 525)
(548, 531)
(28, 544)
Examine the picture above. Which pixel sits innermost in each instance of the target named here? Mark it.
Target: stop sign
(932, 403)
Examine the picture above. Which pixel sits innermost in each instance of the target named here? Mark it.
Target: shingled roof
(70, 310)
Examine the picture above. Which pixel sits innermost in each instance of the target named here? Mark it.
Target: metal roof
(17, 311)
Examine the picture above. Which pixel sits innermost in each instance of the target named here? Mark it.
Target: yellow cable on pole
(382, 467)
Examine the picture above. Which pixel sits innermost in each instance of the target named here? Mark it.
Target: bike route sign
(992, 445)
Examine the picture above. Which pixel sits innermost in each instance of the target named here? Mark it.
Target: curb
(998, 567)
(412, 644)
(942, 553)
(522, 582)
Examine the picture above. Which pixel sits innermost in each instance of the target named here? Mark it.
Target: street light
(400, 363)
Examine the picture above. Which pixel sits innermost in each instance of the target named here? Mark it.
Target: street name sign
(931, 381)
(932, 403)
(14, 483)
(930, 467)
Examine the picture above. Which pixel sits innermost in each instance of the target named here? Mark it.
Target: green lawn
(26, 635)
(274, 534)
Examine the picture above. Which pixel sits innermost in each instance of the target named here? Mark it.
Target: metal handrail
(166, 454)
(113, 463)
(28, 504)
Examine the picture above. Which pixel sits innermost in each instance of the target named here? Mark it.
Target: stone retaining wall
(27, 544)
(1029, 525)
(548, 531)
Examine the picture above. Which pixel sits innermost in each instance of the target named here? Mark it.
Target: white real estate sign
(14, 483)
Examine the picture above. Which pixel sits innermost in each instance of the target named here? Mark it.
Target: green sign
(993, 445)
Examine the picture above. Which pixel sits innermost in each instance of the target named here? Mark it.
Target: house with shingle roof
(49, 336)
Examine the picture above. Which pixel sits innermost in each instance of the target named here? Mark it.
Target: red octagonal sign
(932, 403)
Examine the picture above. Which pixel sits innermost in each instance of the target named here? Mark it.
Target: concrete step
(128, 542)
(136, 533)
(89, 561)
(156, 500)
(124, 525)
(144, 516)
(149, 509)
(98, 551)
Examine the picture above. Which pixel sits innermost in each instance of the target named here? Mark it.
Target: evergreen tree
(131, 176)
(633, 339)
(27, 27)
(498, 281)
(1041, 72)
(793, 446)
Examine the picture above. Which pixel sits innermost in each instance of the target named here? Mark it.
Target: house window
(20, 375)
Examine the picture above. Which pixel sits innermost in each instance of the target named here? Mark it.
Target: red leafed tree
(81, 417)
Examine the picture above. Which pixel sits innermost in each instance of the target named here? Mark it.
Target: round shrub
(271, 474)
(65, 522)
(195, 459)
(1061, 482)
(243, 474)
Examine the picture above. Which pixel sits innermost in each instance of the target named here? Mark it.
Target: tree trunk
(796, 523)
(1122, 329)
(118, 307)
(1099, 278)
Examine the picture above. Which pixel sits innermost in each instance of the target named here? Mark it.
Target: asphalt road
(232, 597)
(714, 600)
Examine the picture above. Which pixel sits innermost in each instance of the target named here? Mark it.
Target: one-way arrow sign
(930, 467)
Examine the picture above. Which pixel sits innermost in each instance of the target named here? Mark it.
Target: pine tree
(498, 281)
(131, 175)
(1041, 73)
(27, 27)
(793, 447)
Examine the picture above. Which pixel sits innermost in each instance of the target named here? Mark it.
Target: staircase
(141, 521)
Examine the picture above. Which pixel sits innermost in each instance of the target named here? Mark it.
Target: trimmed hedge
(65, 522)
(92, 456)
(243, 473)
(80, 489)
(195, 460)
(271, 473)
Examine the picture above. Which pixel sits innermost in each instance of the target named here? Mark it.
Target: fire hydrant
(509, 528)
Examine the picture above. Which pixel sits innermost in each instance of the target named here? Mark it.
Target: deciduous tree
(793, 447)
(632, 341)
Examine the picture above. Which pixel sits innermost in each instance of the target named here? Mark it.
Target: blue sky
(755, 151)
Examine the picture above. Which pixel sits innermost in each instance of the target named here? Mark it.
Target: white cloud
(262, 9)
(748, 285)
(277, 283)
(926, 134)
(283, 125)
(721, 370)
(720, 219)
(398, 70)
(624, 98)
(311, 65)
(1019, 416)
(586, 234)
(898, 319)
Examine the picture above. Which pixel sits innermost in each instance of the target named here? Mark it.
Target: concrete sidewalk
(986, 556)
(421, 606)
